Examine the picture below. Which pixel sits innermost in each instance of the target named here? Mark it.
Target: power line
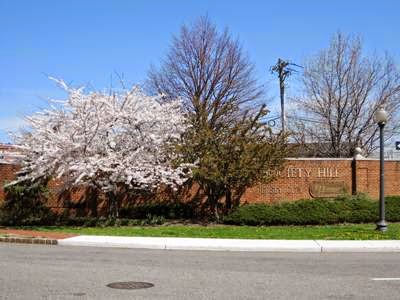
(284, 69)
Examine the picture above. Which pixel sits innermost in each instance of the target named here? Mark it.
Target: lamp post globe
(381, 118)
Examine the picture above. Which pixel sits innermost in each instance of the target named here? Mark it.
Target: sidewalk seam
(320, 246)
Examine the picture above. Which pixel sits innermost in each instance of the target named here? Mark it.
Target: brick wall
(299, 179)
(7, 174)
(319, 177)
(299, 176)
(367, 179)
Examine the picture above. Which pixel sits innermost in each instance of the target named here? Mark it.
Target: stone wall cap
(337, 159)
(377, 159)
(320, 158)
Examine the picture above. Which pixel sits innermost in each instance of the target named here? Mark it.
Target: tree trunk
(213, 202)
(228, 200)
(238, 194)
(113, 211)
(215, 208)
(92, 194)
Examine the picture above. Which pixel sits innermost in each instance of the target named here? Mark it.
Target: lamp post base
(381, 226)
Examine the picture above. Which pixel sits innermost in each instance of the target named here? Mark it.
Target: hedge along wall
(301, 178)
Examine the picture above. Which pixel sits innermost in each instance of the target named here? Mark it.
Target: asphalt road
(56, 272)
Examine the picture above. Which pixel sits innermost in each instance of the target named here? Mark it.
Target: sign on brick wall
(321, 189)
(300, 179)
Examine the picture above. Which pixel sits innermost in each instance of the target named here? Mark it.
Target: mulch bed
(35, 234)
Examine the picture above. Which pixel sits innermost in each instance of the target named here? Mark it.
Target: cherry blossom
(105, 140)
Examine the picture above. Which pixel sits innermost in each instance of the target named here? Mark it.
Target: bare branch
(342, 90)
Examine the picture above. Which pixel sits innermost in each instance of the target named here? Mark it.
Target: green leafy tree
(228, 142)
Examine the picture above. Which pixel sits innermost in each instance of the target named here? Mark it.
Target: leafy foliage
(168, 210)
(25, 204)
(108, 222)
(358, 209)
(233, 157)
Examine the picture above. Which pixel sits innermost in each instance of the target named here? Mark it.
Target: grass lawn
(331, 232)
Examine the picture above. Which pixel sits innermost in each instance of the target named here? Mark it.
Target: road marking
(386, 279)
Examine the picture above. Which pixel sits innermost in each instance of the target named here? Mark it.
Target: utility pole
(283, 69)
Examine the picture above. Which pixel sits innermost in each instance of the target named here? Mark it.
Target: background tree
(227, 140)
(342, 89)
(114, 142)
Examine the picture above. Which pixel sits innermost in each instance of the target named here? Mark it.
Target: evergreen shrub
(345, 209)
(24, 204)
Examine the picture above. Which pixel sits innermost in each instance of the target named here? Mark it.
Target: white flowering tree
(108, 141)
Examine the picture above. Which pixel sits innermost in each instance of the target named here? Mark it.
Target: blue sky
(85, 42)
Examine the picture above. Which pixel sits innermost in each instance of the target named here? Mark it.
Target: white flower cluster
(105, 139)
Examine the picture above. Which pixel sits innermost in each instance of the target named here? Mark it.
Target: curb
(204, 244)
(210, 244)
(28, 240)
(207, 244)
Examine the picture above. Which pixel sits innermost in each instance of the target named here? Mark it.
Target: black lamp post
(381, 117)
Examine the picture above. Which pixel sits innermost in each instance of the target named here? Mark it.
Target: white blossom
(105, 139)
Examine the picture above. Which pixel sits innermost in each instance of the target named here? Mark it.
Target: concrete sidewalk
(234, 244)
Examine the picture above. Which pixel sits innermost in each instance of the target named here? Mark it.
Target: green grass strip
(329, 232)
